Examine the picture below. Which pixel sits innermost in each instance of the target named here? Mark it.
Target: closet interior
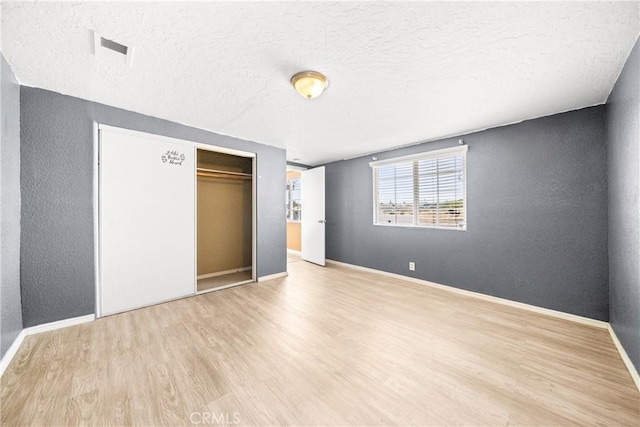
(224, 220)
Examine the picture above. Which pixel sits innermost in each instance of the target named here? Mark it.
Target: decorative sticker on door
(172, 157)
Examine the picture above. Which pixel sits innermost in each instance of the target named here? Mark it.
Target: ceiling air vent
(105, 47)
(116, 47)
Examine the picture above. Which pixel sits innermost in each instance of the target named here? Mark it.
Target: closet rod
(224, 176)
(223, 172)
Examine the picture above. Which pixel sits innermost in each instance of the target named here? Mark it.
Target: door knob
(322, 221)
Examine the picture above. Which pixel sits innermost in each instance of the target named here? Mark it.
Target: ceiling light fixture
(309, 83)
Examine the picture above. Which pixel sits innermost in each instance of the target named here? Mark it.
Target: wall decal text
(172, 157)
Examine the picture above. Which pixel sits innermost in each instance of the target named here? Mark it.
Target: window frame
(414, 159)
(290, 201)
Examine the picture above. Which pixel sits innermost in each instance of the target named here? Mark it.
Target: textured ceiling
(399, 73)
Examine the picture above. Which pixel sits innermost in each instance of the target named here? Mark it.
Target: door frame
(195, 146)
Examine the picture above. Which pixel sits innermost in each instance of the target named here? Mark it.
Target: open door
(313, 220)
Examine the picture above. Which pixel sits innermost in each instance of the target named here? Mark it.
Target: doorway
(294, 214)
(224, 220)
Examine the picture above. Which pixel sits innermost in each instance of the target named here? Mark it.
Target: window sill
(421, 227)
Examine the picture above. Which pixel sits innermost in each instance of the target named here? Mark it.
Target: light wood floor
(323, 346)
(293, 257)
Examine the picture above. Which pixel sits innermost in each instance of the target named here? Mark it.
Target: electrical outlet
(412, 266)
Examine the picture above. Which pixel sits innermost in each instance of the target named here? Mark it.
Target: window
(423, 190)
(294, 207)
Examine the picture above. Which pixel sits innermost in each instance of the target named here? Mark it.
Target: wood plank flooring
(323, 346)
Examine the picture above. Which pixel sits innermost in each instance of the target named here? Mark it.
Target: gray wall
(11, 315)
(623, 139)
(537, 217)
(57, 215)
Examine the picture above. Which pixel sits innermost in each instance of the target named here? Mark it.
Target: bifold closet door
(147, 225)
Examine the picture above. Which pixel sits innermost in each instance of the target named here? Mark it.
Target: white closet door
(147, 225)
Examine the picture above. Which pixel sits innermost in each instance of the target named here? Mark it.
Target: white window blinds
(427, 189)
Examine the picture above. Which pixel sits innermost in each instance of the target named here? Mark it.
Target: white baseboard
(541, 310)
(59, 324)
(38, 329)
(294, 252)
(625, 357)
(222, 273)
(11, 352)
(272, 276)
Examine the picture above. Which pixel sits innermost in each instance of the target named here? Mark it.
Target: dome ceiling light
(309, 83)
